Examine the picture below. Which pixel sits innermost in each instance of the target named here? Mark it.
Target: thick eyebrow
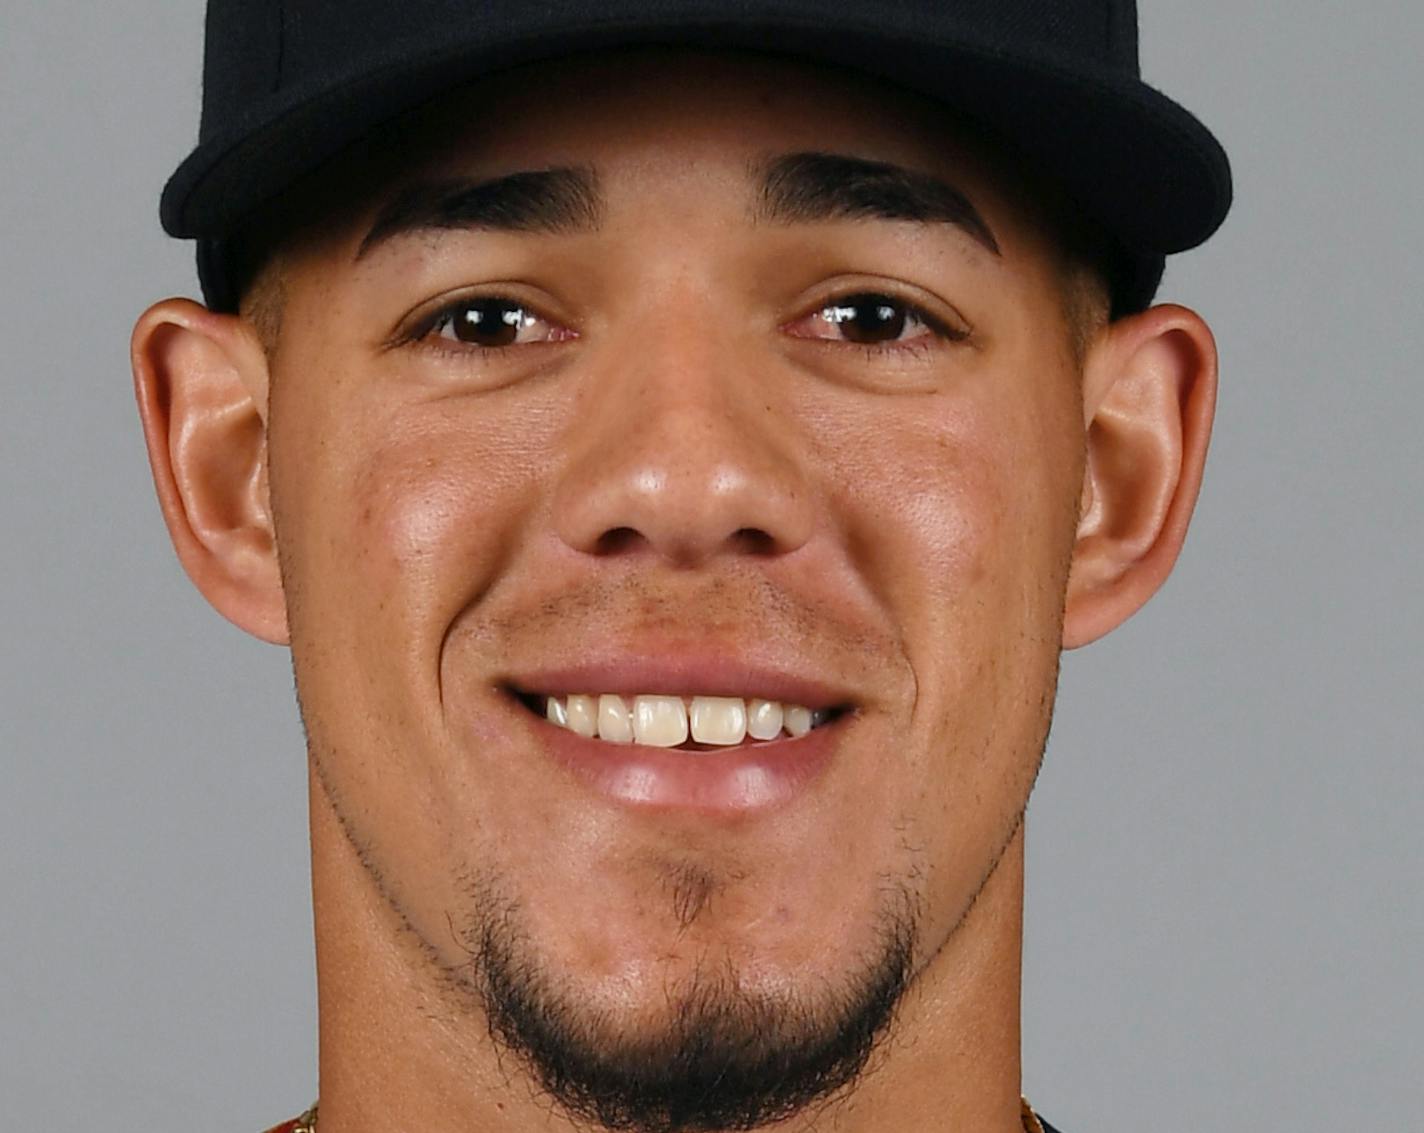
(546, 200)
(801, 188)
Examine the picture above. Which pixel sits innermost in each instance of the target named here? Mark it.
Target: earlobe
(201, 383)
(1149, 399)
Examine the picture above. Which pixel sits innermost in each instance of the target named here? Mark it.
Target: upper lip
(692, 671)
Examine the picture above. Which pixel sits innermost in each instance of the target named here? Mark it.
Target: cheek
(427, 509)
(956, 512)
(949, 508)
(391, 526)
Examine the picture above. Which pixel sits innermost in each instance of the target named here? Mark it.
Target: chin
(713, 1033)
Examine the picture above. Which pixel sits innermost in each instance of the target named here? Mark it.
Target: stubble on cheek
(975, 505)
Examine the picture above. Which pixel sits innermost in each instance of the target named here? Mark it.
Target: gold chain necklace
(307, 1122)
(1031, 1123)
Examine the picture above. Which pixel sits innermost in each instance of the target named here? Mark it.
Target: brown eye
(492, 323)
(485, 322)
(872, 319)
(868, 318)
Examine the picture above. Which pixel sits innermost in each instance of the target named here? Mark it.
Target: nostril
(618, 539)
(754, 541)
(746, 540)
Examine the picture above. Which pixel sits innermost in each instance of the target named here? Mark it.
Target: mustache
(745, 609)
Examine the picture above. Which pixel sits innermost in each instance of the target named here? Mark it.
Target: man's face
(710, 427)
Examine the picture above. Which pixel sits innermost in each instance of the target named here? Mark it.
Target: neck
(392, 1055)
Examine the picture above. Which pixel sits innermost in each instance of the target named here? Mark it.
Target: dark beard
(725, 1060)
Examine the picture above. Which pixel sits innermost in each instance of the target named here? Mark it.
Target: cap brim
(1136, 162)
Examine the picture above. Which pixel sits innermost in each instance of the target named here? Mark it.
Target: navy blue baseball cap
(289, 84)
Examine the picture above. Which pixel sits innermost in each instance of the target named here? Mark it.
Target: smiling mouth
(685, 723)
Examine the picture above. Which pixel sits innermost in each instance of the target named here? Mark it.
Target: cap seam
(277, 72)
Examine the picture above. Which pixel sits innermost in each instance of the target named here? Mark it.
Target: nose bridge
(680, 451)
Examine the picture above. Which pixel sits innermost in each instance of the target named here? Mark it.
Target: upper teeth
(666, 721)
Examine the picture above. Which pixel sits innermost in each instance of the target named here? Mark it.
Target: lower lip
(736, 780)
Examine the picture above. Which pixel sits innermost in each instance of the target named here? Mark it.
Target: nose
(683, 454)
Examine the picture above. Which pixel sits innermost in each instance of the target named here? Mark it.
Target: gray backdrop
(1225, 927)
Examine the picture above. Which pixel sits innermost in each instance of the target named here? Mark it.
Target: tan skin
(930, 527)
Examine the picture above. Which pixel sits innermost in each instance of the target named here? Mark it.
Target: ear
(1149, 396)
(201, 383)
